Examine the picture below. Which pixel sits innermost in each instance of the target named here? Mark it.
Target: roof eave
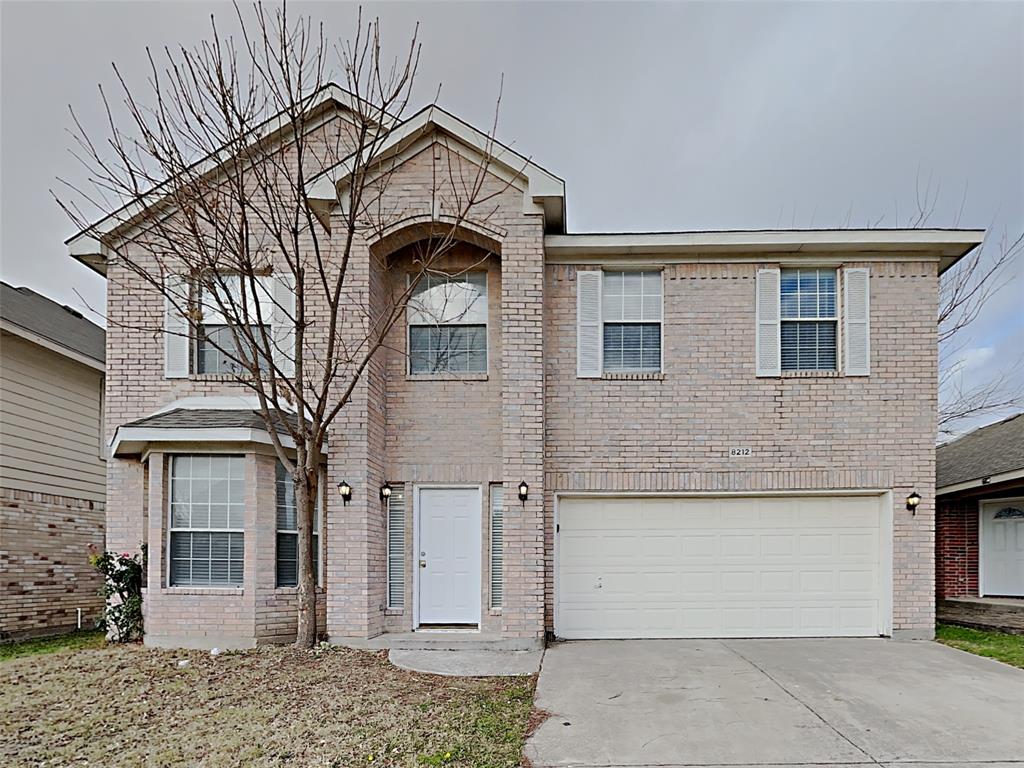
(947, 245)
(52, 346)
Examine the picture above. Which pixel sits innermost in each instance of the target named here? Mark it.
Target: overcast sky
(659, 117)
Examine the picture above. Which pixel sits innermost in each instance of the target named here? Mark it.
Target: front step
(441, 641)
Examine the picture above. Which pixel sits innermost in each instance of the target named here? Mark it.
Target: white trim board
(981, 482)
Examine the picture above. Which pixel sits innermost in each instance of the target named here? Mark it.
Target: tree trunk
(306, 490)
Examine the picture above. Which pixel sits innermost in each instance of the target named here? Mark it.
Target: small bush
(122, 593)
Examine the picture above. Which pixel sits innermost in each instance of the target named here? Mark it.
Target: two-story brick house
(688, 434)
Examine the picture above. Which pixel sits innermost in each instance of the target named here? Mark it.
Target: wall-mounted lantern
(385, 491)
(524, 492)
(346, 492)
(912, 501)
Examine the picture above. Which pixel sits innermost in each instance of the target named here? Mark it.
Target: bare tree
(209, 171)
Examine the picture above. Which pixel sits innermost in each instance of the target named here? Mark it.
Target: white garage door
(720, 567)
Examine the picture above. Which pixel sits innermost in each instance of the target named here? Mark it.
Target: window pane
(216, 351)
(448, 349)
(287, 559)
(632, 347)
(808, 294)
(808, 346)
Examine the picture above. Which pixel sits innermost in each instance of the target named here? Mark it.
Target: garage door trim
(885, 500)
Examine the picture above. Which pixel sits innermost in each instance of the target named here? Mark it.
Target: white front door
(448, 556)
(1002, 548)
(721, 567)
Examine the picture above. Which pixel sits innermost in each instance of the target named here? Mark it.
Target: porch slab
(441, 641)
(1005, 614)
(469, 663)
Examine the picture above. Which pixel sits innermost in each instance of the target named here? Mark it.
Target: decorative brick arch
(414, 229)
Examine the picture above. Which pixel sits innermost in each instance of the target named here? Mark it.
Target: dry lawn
(133, 706)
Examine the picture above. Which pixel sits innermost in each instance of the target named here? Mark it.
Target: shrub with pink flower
(122, 592)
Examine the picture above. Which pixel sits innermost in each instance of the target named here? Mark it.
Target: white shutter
(857, 322)
(588, 324)
(497, 545)
(396, 547)
(176, 329)
(767, 342)
(284, 322)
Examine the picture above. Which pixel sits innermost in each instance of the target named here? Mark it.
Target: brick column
(522, 430)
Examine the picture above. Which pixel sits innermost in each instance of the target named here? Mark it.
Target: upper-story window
(447, 317)
(216, 347)
(631, 321)
(807, 313)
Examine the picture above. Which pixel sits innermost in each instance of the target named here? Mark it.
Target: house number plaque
(740, 452)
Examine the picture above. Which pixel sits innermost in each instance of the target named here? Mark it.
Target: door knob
(423, 563)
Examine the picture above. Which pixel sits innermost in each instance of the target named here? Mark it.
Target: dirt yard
(132, 706)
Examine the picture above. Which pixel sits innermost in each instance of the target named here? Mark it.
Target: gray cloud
(659, 116)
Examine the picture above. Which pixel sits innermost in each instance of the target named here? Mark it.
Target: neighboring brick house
(52, 473)
(715, 433)
(979, 527)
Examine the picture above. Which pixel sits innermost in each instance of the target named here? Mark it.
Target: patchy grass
(73, 641)
(132, 706)
(996, 645)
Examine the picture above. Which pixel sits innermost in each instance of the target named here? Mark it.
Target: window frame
(168, 571)
(409, 325)
(836, 318)
(318, 543)
(660, 322)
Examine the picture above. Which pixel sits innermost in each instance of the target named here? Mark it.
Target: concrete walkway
(468, 663)
(775, 702)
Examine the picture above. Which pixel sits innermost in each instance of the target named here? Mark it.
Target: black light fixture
(524, 491)
(912, 501)
(346, 491)
(385, 491)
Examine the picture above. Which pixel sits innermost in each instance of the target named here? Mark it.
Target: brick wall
(672, 432)
(46, 576)
(956, 548)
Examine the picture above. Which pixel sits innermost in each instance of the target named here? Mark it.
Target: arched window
(1009, 513)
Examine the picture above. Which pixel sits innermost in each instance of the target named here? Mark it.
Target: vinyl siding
(50, 423)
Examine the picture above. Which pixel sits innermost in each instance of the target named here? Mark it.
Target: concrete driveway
(775, 702)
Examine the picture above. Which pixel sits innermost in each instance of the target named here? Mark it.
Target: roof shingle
(987, 451)
(44, 317)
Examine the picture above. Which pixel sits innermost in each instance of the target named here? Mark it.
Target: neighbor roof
(983, 456)
(57, 327)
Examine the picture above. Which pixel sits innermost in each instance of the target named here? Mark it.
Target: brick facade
(956, 548)
(44, 551)
(531, 419)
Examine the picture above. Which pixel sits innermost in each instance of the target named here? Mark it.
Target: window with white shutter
(857, 321)
(808, 319)
(497, 545)
(396, 546)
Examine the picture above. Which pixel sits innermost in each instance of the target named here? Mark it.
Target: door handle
(423, 563)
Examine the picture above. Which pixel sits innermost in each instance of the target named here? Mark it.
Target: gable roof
(544, 192)
(32, 316)
(982, 456)
(86, 245)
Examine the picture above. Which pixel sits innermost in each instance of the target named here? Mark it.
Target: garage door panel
(718, 567)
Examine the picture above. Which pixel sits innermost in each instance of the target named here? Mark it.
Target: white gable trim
(981, 482)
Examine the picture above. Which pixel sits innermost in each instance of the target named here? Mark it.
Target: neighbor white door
(448, 556)
(721, 567)
(1002, 548)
